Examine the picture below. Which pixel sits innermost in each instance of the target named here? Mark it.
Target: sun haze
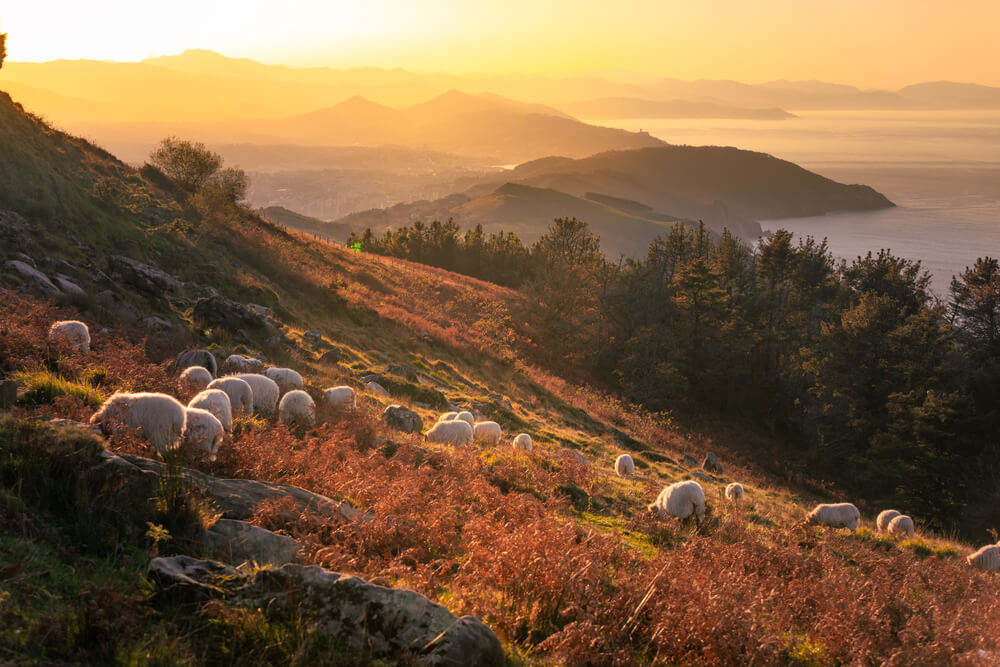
(884, 44)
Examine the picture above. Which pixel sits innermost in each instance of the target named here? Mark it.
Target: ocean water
(941, 169)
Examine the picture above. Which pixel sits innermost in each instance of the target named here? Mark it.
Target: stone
(218, 311)
(156, 324)
(67, 286)
(238, 542)
(37, 281)
(8, 394)
(258, 309)
(403, 419)
(27, 259)
(331, 356)
(690, 461)
(143, 277)
(711, 464)
(702, 476)
(384, 623)
(13, 225)
(403, 370)
(573, 455)
(377, 389)
(315, 338)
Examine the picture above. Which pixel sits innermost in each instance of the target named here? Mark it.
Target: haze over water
(941, 168)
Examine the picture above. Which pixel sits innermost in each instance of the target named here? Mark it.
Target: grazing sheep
(237, 363)
(884, 517)
(158, 417)
(265, 393)
(987, 558)
(286, 379)
(192, 380)
(340, 397)
(488, 433)
(624, 465)
(71, 335)
(578, 457)
(202, 433)
(217, 402)
(447, 417)
(522, 441)
(901, 526)
(297, 408)
(835, 515)
(455, 432)
(682, 500)
(202, 358)
(734, 492)
(467, 417)
(239, 392)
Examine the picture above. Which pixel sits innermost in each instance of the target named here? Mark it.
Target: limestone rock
(238, 541)
(402, 418)
(67, 286)
(37, 281)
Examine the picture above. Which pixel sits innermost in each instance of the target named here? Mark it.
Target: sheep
(192, 380)
(377, 389)
(218, 403)
(624, 465)
(202, 432)
(447, 417)
(522, 441)
(286, 379)
(237, 363)
(340, 397)
(265, 393)
(455, 432)
(239, 392)
(488, 433)
(901, 526)
(987, 558)
(467, 417)
(883, 519)
(159, 417)
(835, 515)
(202, 358)
(71, 335)
(297, 408)
(682, 500)
(734, 492)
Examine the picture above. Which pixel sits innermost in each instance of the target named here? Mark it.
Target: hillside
(331, 231)
(630, 107)
(556, 555)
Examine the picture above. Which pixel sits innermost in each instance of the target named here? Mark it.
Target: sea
(940, 168)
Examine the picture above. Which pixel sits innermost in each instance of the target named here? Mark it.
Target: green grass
(42, 387)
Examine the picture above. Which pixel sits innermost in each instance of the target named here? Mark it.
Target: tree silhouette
(3, 47)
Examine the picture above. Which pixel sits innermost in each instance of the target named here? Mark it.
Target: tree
(190, 165)
(232, 183)
(975, 307)
(3, 47)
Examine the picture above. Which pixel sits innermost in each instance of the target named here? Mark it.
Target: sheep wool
(265, 393)
(341, 397)
(901, 527)
(835, 515)
(455, 432)
(202, 433)
(239, 392)
(987, 558)
(884, 517)
(447, 417)
(624, 465)
(158, 417)
(734, 491)
(297, 408)
(467, 417)
(193, 379)
(488, 433)
(217, 402)
(285, 378)
(682, 500)
(202, 358)
(522, 441)
(237, 363)
(71, 335)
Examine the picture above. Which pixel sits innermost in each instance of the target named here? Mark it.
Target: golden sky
(870, 43)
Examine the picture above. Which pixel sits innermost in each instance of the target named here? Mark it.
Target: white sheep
(488, 433)
(297, 408)
(523, 442)
(202, 358)
(192, 380)
(901, 526)
(624, 465)
(286, 379)
(158, 417)
(239, 392)
(883, 519)
(455, 432)
(467, 417)
(237, 363)
(217, 402)
(987, 558)
(265, 393)
(202, 432)
(340, 397)
(447, 417)
(835, 515)
(734, 492)
(682, 500)
(71, 335)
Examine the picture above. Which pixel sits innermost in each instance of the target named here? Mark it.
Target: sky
(869, 43)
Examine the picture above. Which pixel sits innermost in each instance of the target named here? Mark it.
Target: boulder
(142, 277)
(67, 286)
(118, 307)
(384, 623)
(315, 338)
(36, 281)
(13, 225)
(239, 542)
(711, 464)
(27, 259)
(403, 419)
(156, 324)
(702, 476)
(258, 309)
(331, 356)
(690, 461)
(403, 371)
(377, 389)
(218, 311)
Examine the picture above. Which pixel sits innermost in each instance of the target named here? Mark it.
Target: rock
(331, 357)
(143, 277)
(573, 455)
(383, 623)
(238, 542)
(27, 259)
(118, 307)
(67, 286)
(377, 389)
(507, 405)
(258, 309)
(314, 337)
(711, 464)
(274, 341)
(59, 422)
(403, 419)
(218, 311)
(403, 370)
(702, 476)
(36, 281)
(8, 394)
(690, 461)
(156, 324)
(13, 225)
(626, 441)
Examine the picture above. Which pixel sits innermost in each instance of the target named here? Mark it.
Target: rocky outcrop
(218, 311)
(36, 281)
(143, 278)
(238, 542)
(383, 623)
(711, 464)
(403, 419)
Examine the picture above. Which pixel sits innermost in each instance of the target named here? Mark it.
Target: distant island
(609, 108)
